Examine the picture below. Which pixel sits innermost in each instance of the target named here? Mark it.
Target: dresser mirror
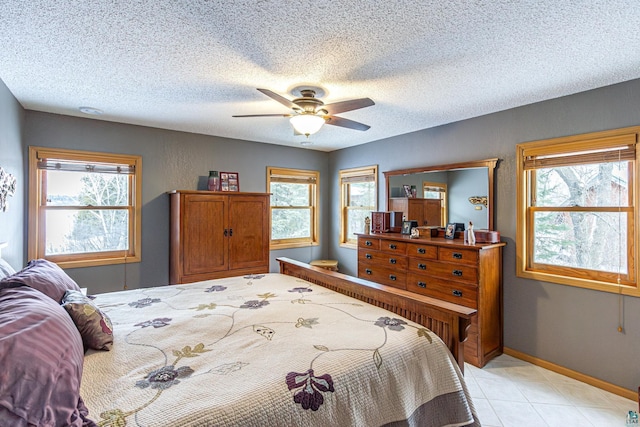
(453, 193)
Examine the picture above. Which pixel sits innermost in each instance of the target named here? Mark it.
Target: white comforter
(267, 350)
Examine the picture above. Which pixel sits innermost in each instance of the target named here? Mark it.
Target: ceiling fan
(310, 113)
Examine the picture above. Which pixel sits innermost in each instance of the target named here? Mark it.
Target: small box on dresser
(385, 222)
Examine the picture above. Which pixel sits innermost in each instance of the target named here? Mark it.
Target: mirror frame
(490, 164)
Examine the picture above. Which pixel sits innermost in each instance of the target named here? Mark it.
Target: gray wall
(12, 161)
(462, 185)
(572, 327)
(170, 161)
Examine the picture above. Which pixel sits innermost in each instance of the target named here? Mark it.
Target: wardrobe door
(204, 243)
(248, 232)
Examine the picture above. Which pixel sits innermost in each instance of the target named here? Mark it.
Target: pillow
(5, 269)
(42, 358)
(44, 276)
(94, 326)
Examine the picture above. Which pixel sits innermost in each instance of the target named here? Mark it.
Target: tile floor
(509, 392)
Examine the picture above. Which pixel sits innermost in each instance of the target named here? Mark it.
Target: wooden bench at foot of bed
(449, 321)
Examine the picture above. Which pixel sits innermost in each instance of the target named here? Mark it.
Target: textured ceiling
(189, 65)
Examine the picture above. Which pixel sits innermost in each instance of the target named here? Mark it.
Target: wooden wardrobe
(217, 234)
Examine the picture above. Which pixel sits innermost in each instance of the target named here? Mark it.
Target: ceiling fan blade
(345, 123)
(352, 104)
(281, 99)
(264, 115)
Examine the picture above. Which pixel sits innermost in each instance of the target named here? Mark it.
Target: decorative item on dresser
(449, 270)
(216, 235)
(384, 222)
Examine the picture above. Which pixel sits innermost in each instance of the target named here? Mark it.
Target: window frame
(284, 175)
(443, 190)
(37, 209)
(345, 178)
(576, 148)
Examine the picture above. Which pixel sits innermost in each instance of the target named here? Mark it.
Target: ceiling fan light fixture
(307, 124)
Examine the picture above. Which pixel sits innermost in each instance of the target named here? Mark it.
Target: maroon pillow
(94, 326)
(42, 358)
(44, 276)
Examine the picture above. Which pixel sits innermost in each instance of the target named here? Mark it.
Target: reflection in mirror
(459, 193)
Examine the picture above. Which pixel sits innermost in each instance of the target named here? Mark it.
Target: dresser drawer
(382, 259)
(444, 270)
(466, 256)
(457, 293)
(422, 251)
(393, 247)
(384, 276)
(369, 243)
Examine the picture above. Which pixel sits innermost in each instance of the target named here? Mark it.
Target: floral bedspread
(267, 350)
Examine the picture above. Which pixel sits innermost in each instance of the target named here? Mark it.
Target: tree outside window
(294, 207)
(85, 209)
(577, 211)
(359, 197)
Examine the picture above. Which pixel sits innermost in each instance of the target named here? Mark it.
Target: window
(437, 191)
(577, 211)
(359, 195)
(294, 207)
(84, 207)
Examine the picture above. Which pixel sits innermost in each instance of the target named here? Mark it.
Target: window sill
(349, 245)
(580, 283)
(277, 246)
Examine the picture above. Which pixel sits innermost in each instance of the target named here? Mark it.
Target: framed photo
(407, 191)
(229, 181)
(450, 231)
(406, 227)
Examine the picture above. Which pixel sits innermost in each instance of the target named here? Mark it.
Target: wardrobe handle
(457, 273)
(226, 232)
(230, 232)
(457, 293)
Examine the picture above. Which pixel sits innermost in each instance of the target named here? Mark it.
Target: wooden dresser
(450, 270)
(217, 234)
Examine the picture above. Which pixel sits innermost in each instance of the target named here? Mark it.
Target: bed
(303, 347)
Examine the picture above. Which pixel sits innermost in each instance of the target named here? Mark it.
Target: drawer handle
(392, 260)
(368, 271)
(422, 284)
(457, 255)
(457, 293)
(422, 251)
(457, 273)
(392, 277)
(368, 242)
(393, 247)
(422, 266)
(368, 256)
